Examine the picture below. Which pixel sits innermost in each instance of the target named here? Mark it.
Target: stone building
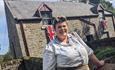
(26, 18)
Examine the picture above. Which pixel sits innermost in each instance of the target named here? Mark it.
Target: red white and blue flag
(50, 31)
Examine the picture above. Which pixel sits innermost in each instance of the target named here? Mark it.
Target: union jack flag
(50, 32)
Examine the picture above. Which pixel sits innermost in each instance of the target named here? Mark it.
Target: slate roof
(26, 9)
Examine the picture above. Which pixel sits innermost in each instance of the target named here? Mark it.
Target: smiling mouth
(63, 31)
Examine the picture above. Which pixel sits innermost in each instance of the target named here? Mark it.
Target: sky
(112, 1)
(4, 43)
(3, 31)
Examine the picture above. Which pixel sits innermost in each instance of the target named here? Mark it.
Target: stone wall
(35, 38)
(11, 65)
(28, 63)
(110, 26)
(77, 25)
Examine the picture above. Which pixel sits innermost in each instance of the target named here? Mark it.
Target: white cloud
(113, 3)
(1, 8)
(3, 49)
(4, 43)
(1, 4)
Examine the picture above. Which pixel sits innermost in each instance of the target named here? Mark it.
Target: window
(46, 17)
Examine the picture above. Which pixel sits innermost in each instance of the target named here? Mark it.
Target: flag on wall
(50, 32)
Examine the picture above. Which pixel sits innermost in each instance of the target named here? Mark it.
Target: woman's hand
(96, 61)
(101, 63)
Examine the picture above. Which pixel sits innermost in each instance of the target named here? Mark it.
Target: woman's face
(61, 29)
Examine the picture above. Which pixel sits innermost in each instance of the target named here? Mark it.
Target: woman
(66, 51)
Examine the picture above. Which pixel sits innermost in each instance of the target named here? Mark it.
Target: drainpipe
(113, 22)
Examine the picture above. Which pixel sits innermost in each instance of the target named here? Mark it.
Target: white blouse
(73, 54)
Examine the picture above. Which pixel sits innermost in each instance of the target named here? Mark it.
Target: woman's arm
(96, 61)
(92, 57)
(49, 59)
